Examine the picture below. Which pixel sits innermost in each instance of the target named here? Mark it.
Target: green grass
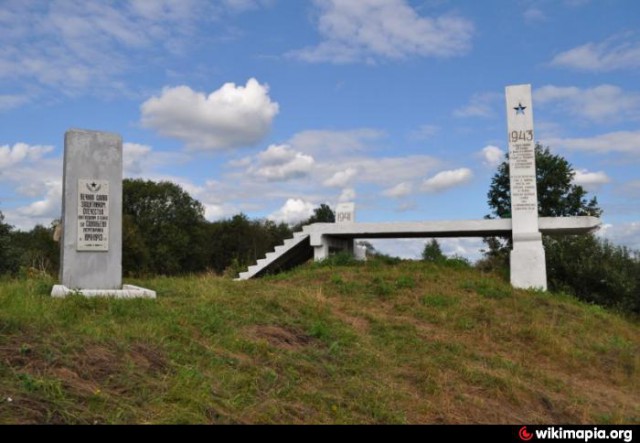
(344, 342)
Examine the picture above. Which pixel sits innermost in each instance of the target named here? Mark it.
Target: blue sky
(271, 107)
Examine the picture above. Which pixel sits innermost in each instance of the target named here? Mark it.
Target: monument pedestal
(127, 291)
(91, 243)
(528, 266)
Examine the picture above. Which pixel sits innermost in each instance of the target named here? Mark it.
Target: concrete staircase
(320, 239)
(293, 252)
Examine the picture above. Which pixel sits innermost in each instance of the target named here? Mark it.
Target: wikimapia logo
(553, 433)
(524, 434)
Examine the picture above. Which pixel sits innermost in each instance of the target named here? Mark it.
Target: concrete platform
(324, 237)
(451, 228)
(127, 291)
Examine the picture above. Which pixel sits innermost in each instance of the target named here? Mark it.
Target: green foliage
(558, 196)
(390, 344)
(457, 262)
(585, 266)
(438, 300)
(432, 252)
(405, 282)
(594, 270)
(9, 260)
(169, 228)
(321, 214)
(342, 258)
(37, 250)
(238, 242)
(489, 288)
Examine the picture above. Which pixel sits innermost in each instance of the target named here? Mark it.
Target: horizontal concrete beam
(453, 228)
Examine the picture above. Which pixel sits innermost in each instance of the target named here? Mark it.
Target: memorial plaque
(93, 215)
(346, 213)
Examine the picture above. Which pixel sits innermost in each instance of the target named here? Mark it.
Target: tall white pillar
(528, 268)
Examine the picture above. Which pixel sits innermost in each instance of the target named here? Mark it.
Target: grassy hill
(370, 343)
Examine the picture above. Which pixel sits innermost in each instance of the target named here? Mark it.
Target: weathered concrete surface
(91, 155)
(324, 236)
(528, 265)
(127, 291)
(294, 251)
(450, 228)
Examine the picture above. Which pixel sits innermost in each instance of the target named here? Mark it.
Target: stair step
(272, 256)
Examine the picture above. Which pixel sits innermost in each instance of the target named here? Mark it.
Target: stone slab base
(528, 267)
(127, 291)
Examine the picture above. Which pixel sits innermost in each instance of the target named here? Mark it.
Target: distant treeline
(165, 233)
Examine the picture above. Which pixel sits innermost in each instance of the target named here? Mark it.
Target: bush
(594, 270)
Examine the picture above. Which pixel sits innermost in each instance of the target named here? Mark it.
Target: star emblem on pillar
(520, 109)
(94, 187)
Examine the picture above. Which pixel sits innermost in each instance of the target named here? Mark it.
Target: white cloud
(281, 163)
(480, 105)
(75, 47)
(616, 53)
(387, 171)
(367, 30)
(49, 207)
(447, 179)
(595, 104)
(244, 5)
(400, 190)
(590, 179)
(134, 156)
(533, 15)
(214, 212)
(347, 195)
(19, 152)
(341, 164)
(293, 211)
(335, 143)
(230, 117)
(341, 178)
(81, 47)
(492, 156)
(424, 132)
(626, 142)
(625, 234)
(10, 101)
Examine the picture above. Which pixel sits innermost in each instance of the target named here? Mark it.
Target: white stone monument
(346, 213)
(91, 243)
(528, 268)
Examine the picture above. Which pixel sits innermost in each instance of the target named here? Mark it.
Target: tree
(168, 235)
(8, 257)
(586, 266)
(321, 214)
(37, 249)
(594, 270)
(558, 196)
(238, 242)
(432, 252)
